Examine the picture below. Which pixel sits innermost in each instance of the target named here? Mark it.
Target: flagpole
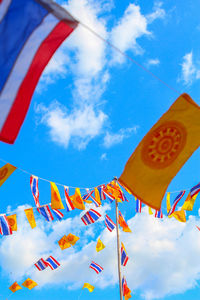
(118, 252)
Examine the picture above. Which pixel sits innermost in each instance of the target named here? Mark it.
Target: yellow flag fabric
(56, 202)
(29, 283)
(30, 216)
(12, 220)
(5, 172)
(150, 211)
(68, 241)
(15, 287)
(97, 196)
(179, 215)
(189, 202)
(72, 239)
(163, 151)
(168, 202)
(88, 286)
(77, 200)
(99, 246)
(123, 223)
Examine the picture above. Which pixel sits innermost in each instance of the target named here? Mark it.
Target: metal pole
(118, 252)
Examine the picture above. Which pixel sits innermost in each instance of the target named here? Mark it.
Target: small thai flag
(101, 193)
(195, 190)
(69, 203)
(5, 228)
(109, 223)
(97, 268)
(45, 212)
(158, 214)
(124, 256)
(138, 207)
(90, 217)
(52, 263)
(87, 196)
(110, 196)
(177, 199)
(58, 214)
(97, 204)
(34, 189)
(41, 264)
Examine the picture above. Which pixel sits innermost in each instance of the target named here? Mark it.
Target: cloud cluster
(190, 71)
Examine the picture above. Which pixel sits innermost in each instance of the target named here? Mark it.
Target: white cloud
(190, 70)
(78, 126)
(111, 139)
(103, 156)
(153, 62)
(158, 13)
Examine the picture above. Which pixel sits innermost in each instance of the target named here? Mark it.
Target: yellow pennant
(5, 172)
(56, 202)
(30, 216)
(97, 196)
(77, 200)
(99, 246)
(179, 215)
(88, 286)
(163, 152)
(189, 202)
(168, 202)
(72, 239)
(12, 220)
(29, 283)
(150, 211)
(63, 243)
(15, 287)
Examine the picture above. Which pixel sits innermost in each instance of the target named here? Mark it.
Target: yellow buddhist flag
(77, 200)
(179, 215)
(123, 223)
(12, 220)
(163, 151)
(5, 172)
(88, 286)
(29, 283)
(189, 202)
(30, 216)
(168, 202)
(56, 202)
(97, 196)
(99, 246)
(72, 239)
(150, 211)
(15, 287)
(63, 243)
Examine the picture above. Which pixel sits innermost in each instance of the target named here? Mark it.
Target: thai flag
(34, 189)
(138, 207)
(88, 195)
(177, 199)
(109, 223)
(124, 256)
(101, 192)
(41, 264)
(123, 197)
(124, 286)
(195, 190)
(45, 211)
(58, 214)
(5, 228)
(97, 204)
(97, 268)
(90, 217)
(30, 33)
(52, 263)
(110, 196)
(69, 203)
(158, 214)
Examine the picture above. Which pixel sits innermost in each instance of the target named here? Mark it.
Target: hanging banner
(5, 172)
(30, 216)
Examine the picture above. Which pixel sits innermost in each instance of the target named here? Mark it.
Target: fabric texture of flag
(6, 171)
(88, 286)
(138, 206)
(24, 54)
(189, 201)
(29, 283)
(101, 193)
(5, 228)
(90, 217)
(77, 200)
(30, 217)
(87, 196)
(109, 223)
(41, 264)
(179, 215)
(68, 241)
(123, 223)
(99, 246)
(15, 287)
(45, 212)
(163, 151)
(97, 196)
(35, 189)
(176, 201)
(56, 202)
(12, 220)
(58, 214)
(126, 291)
(158, 214)
(97, 268)
(52, 262)
(69, 204)
(124, 256)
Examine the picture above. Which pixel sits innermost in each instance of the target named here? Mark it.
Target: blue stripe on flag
(41, 265)
(22, 18)
(5, 229)
(93, 215)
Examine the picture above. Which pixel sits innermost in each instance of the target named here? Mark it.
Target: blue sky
(90, 110)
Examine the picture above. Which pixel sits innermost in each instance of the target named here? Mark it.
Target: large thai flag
(30, 33)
